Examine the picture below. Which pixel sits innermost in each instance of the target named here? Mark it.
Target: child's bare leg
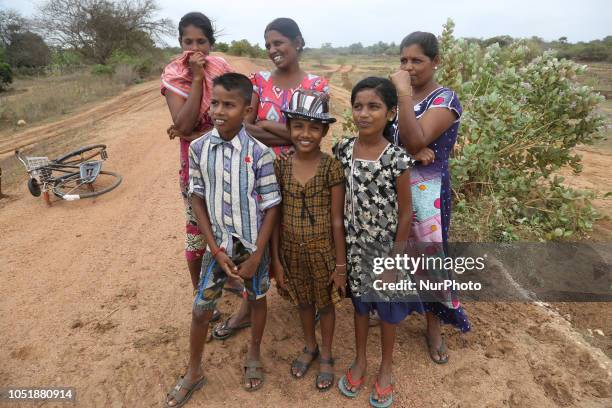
(361, 340)
(197, 337)
(241, 316)
(385, 374)
(434, 334)
(195, 265)
(307, 318)
(328, 322)
(259, 311)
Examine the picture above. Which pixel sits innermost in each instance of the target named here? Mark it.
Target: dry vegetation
(38, 99)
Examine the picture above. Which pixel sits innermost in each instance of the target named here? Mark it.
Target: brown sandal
(180, 384)
(253, 370)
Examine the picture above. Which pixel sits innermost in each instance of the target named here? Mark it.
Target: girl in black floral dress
(377, 218)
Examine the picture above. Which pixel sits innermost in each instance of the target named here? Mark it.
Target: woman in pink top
(272, 91)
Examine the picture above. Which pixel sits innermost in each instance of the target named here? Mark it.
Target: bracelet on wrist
(337, 265)
(215, 252)
(406, 94)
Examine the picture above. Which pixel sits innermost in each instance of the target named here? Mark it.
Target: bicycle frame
(76, 173)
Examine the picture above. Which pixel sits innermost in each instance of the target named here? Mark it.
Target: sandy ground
(96, 295)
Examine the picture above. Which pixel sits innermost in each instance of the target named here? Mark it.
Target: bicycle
(81, 176)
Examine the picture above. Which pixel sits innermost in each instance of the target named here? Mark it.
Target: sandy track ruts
(95, 295)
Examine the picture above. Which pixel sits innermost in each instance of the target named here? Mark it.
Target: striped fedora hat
(309, 105)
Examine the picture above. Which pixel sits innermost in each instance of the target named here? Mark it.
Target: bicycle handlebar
(20, 157)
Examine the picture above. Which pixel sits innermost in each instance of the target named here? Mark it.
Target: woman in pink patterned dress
(272, 91)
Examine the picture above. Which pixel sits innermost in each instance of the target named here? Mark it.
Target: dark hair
(383, 88)
(427, 41)
(200, 21)
(288, 28)
(233, 81)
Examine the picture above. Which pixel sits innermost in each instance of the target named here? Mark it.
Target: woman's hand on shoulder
(426, 156)
(285, 154)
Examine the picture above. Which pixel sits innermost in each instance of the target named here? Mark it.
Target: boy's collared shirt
(236, 179)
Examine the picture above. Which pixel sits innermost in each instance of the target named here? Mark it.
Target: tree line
(81, 32)
(108, 33)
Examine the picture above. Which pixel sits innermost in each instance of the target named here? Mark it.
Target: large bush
(27, 49)
(245, 49)
(522, 119)
(6, 76)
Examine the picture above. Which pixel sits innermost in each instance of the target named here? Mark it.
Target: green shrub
(100, 69)
(522, 119)
(244, 48)
(142, 64)
(221, 47)
(6, 76)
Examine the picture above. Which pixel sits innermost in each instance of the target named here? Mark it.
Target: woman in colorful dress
(272, 93)
(427, 124)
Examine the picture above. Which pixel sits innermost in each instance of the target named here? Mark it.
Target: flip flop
(388, 390)
(230, 330)
(180, 384)
(439, 351)
(253, 370)
(342, 384)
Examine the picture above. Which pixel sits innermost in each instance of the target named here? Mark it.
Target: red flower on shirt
(438, 100)
(247, 159)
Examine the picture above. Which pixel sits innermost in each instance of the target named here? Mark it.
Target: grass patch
(41, 98)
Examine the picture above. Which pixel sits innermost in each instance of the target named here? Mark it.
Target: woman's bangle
(216, 251)
(337, 265)
(400, 95)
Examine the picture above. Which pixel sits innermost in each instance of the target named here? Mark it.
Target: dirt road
(95, 295)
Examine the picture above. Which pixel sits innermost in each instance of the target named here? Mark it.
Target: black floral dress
(370, 218)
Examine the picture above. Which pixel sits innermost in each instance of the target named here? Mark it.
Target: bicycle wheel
(83, 154)
(71, 187)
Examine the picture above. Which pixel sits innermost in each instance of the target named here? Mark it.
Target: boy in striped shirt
(235, 197)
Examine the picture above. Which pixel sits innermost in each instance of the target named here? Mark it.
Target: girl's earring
(436, 68)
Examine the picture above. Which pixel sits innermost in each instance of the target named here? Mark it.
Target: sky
(343, 22)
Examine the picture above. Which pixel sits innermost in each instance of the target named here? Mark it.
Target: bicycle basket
(90, 170)
(35, 165)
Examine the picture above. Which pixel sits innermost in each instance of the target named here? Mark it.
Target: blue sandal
(377, 392)
(347, 381)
